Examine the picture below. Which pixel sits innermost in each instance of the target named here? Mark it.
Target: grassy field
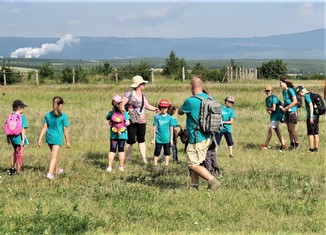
(263, 192)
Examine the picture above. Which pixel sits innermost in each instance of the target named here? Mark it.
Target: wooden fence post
(4, 78)
(152, 74)
(183, 74)
(116, 75)
(73, 76)
(36, 77)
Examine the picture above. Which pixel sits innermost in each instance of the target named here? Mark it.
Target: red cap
(164, 103)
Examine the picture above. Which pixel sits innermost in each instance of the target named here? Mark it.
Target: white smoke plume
(28, 52)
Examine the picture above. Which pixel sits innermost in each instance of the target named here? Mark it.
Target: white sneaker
(121, 168)
(109, 169)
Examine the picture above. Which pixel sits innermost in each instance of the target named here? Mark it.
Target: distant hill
(305, 45)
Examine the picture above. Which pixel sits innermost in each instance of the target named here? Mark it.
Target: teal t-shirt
(16, 140)
(227, 114)
(287, 94)
(55, 125)
(163, 124)
(308, 100)
(276, 115)
(191, 107)
(113, 135)
(174, 122)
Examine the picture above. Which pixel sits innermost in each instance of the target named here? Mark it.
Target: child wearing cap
(312, 120)
(118, 120)
(162, 133)
(18, 141)
(276, 116)
(228, 115)
(55, 127)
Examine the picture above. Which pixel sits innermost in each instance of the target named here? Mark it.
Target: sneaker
(193, 187)
(109, 169)
(155, 169)
(121, 168)
(213, 184)
(311, 150)
(316, 150)
(11, 171)
(50, 176)
(283, 147)
(231, 156)
(60, 171)
(263, 147)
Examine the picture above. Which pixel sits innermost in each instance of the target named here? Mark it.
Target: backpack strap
(142, 99)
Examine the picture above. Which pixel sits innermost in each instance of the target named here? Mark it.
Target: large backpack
(117, 123)
(13, 124)
(279, 102)
(318, 104)
(210, 118)
(299, 98)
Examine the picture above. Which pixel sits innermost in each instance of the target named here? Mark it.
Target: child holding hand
(162, 133)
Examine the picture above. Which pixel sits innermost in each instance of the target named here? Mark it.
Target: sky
(163, 19)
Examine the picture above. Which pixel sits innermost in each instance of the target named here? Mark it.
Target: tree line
(104, 71)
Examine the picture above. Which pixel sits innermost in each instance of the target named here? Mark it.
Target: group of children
(55, 127)
(287, 112)
(165, 132)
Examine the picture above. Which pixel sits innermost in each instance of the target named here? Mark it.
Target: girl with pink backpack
(15, 129)
(118, 120)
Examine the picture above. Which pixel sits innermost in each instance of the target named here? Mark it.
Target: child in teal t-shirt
(162, 133)
(55, 127)
(18, 141)
(228, 116)
(276, 116)
(118, 120)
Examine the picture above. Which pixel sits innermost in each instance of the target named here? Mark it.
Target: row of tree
(172, 69)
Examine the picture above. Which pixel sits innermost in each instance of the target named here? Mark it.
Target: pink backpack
(117, 123)
(13, 124)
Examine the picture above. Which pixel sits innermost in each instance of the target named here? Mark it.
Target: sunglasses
(231, 102)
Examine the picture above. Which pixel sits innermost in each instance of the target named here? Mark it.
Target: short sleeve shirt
(191, 107)
(227, 114)
(308, 100)
(16, 140)
(162, 124)
(55, 126)
(287, 96)
(114, 135)
(277, 114)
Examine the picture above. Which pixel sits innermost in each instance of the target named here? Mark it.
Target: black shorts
(313, 128)
(291, 117)
(116, 143)
(166, 149)
(136, 133)
(228, 138)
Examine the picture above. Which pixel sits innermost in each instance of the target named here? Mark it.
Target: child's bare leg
(121, 158)
(167, 158)
(55, 149)
(111, 156)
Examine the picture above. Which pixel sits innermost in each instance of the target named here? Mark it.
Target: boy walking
(312, 120)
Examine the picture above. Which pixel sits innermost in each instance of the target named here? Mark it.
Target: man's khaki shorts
(197, 152)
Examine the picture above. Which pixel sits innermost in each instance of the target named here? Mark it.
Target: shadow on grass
(96, 159)
(251, 146)
(162, 178)
(34, 168)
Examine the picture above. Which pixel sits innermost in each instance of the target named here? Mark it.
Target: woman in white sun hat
(136, 102)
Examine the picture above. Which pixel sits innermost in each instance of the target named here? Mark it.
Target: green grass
(263, 192)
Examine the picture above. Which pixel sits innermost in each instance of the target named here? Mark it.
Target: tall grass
(263, 192)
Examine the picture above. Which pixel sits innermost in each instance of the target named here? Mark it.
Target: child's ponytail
(57, 100)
